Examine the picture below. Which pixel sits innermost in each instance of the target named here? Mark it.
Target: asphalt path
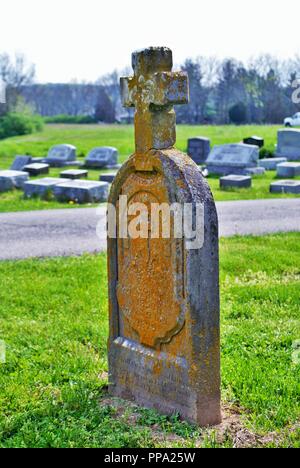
(69, 232)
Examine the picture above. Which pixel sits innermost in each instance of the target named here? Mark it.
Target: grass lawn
(53, 318)
(85, 137)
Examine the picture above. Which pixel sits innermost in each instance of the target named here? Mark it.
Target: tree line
(221, 92)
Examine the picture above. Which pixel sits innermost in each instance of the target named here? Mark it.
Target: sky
(84, 39)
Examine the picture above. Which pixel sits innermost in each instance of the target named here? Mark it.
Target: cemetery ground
(86, 137)
(54, 382)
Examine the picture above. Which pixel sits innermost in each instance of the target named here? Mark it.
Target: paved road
(68, 232)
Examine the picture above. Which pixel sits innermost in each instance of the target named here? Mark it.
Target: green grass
(85, 137)
(53, 318)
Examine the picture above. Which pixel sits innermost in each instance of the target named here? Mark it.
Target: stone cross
(163, 294)
(153, 91)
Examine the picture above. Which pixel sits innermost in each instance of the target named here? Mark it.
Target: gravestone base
(41, 187)
(82, 191)
(37, 169)
(255, 171)
(133, 376)
(12, 179)
(108, 177)
(270, 164)
(235, 181)
(285, 186)
(60, 164)
(74, 174)
(38, 161)
(288, 169)
(227, 170)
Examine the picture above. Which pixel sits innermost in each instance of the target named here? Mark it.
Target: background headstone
(288, 169)
(255, 141)
(232, 159)
(270, 164)
(254, 171)
(61, 155)
(101, 157)
(198, 149)
(74, 174)
(20, 162)
(82, 191)
(41, 187)
(235, 181)
(285, 186)
(37, 169)
(163, 295)
(288, 144)
(108, 177)
(12, 179)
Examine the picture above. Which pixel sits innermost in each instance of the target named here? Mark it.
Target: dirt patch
(231, 429)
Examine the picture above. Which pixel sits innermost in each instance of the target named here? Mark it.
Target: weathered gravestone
(20, 162)
(232, 159)
(61, 155)
(101, 157)
(163, 294)
(198, 149)
(288, 144)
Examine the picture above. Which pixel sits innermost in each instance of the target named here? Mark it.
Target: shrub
(266, 153)
(70, 119)
(13, 124)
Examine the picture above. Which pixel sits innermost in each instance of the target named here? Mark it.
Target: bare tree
(15, 73)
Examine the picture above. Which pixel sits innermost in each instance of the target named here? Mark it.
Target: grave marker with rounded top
(163, 297)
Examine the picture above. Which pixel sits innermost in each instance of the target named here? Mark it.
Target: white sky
(83, 39)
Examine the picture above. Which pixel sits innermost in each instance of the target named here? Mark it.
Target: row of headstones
(66, 188)
(103, 157)
(63, 188)
(238, 162)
